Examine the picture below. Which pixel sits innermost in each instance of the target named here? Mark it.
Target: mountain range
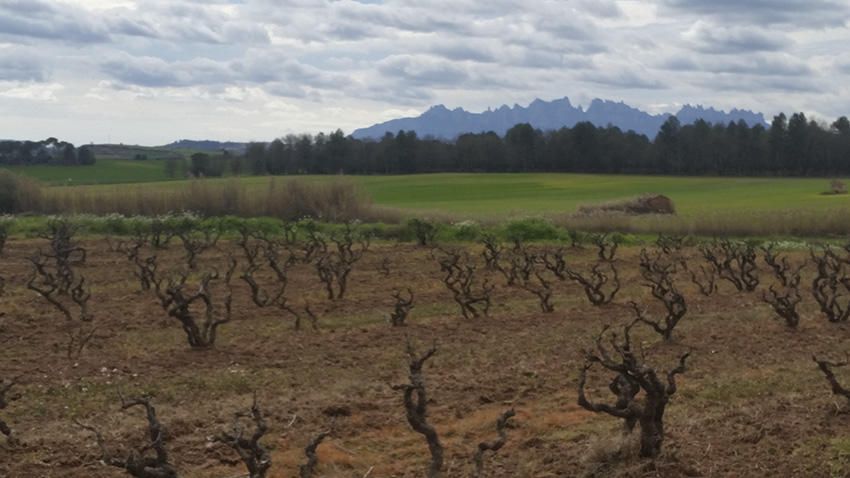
(441, 122)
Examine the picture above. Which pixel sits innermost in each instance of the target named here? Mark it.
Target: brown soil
(752, 402)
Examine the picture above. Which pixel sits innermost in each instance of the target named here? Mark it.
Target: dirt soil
(752, 403)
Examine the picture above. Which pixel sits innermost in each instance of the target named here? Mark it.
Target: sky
(151, 72)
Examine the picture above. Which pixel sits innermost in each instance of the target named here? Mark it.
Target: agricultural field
(105, 171)
(749, 399)
(504, 195)
(492, 194)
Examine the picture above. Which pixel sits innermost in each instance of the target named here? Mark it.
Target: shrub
(531, 229)
(18, 194)
(423, 230)
(465, 231)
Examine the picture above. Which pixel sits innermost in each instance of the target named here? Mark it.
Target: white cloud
(30, 91)
(255, 69)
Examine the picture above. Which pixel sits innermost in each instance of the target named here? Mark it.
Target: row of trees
(789, 146)
(48, 151)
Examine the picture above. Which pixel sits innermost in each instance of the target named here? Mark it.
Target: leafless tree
(633, 376)
(145, 270)
(149, 461)
(130, 247)
(826, 367)
(830, 285)
(316, 244)
(785, 273)
(132, 250)
(660, 279)
(670, 245)
(179, 303)
(265, 254)
(784, 303)
(402, 308)
(532, 278)
(606, 246)
(196, 241)
(160, 234)
(416, 406)
(495, 445)
(515, 267)
(62, 253)
(7, 397)
(460, 278)
(527, 271)
(784, 298)
(253, 454)
(556, 263)
(734, 262)
(307, 469)
(72, 303)
(705, 279)
(492, 252)
(335, 265)
(601, 285)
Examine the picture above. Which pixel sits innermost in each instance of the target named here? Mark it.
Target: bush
(18, 194)
(531, 229)
(464, 231)
(422, 230)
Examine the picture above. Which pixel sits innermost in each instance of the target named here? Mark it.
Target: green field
(106, 171)
(516, 194)
(497, 194)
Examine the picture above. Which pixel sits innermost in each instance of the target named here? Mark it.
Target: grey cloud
(623, 78)
(813, 13)
(21, 66)
(54, 21)
(278, 75)
(155, 72)
(423, 70)
(156, 20)
(600, 8)
(468, 51)
(761, 84)
(712, 38)
(755, 64)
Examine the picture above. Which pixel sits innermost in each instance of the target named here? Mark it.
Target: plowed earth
(752, 403)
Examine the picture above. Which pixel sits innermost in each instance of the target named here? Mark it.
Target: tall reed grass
(792, 223)
(333, 201)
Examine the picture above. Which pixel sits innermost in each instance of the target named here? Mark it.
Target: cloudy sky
(153, 71)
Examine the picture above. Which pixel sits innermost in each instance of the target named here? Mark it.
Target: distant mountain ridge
(444, 123)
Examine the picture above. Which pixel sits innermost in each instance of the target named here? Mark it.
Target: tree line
(48, 151)
(794, 146)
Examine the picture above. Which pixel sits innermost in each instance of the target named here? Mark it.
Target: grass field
(106, 171)
(499, 195)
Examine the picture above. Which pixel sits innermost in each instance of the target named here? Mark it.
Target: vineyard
(193, 350)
